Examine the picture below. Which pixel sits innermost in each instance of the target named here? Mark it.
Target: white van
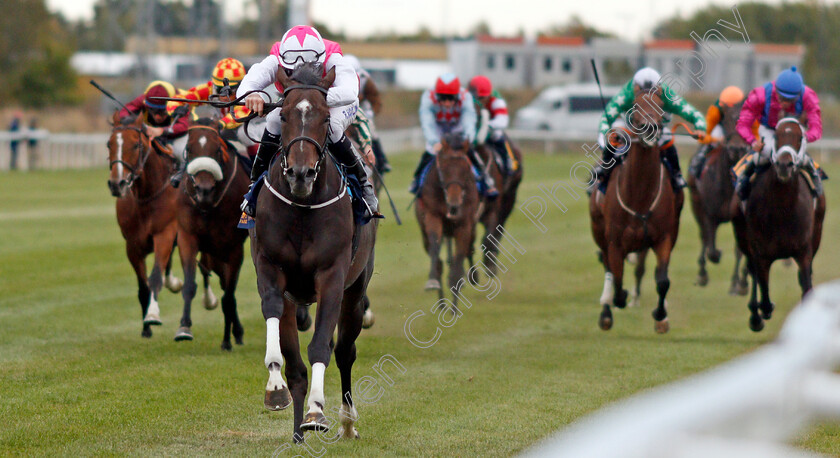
(574, 109)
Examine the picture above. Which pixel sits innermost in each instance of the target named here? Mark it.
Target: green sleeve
(618, 105)
(675, 104)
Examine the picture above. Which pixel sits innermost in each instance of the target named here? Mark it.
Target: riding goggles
(446, 97)
(301, 56)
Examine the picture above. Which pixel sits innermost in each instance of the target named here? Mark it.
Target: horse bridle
(224, 156)
(321, 146)
(137, 169)
(446, 184)
(798, 156)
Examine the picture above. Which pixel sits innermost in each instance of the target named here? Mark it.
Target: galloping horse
(447, 209)
(640, 211)
(207, 216)
(145, 210)
(495, 213)
(781, 219)
(307, 249)
(711, 198)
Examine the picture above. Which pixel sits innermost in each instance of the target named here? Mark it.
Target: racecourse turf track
(77, 378)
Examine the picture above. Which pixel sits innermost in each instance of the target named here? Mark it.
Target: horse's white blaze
(202, 141)
(316, 390)
(153, 312)
(305, 107)
(205, 164)
(607, 295)
(119, 154)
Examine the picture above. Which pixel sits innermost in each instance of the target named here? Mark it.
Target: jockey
(234, 71)
(165, 124)
(302, 44)
(646, 79)
(493, 121)
(729, 97)
(787, 96)
(371, 104)
(448, 108)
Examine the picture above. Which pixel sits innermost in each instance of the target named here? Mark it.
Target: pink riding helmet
(300, 44)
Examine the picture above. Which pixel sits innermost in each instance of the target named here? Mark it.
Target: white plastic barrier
(747, 407)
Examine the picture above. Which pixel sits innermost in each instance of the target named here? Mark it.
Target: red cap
(481, 86)
(448, 84)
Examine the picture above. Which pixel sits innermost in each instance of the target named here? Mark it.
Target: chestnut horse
(306, 248)
(447, 209)
(496, 212)
(146, 210)
(711, 198)
(639, 211)
(207, 217)
(780, 219)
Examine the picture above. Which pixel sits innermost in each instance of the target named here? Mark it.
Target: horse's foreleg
(738, 285)
(756, 322)
(763, 273)
(271, 283)
(163, 244)
(463, 244)
(231, 278)
(703, 222)
(434, 239)
(613, 293)
(188, 248)
(138, 263)
(640, 273)
(712, 250)
(804, 262)
(349, 326)
(663, 284)
(329, 285)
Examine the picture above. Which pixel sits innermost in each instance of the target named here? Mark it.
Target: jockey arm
(345, 88)
(811, 108)
(469, 118)
(619, 104)
(713, 117)
(134, 107)
(177, 129)
(750, 113)
(677, 105)
(428, 122)
(259, 76)
(499, 118)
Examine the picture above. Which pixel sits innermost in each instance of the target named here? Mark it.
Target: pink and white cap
(300, 44)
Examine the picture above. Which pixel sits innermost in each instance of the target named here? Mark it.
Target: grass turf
(77, 379)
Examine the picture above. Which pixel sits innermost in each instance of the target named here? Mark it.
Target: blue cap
(789, 83)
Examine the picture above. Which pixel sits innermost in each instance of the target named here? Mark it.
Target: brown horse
(146, 210)
(496, 212)
(711, 198)
(207, 216)
(640, 211)
(780, 219)
(306, 248)
(447, 209)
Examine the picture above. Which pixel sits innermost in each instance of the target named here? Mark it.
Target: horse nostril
(310, 173)
(122, 183)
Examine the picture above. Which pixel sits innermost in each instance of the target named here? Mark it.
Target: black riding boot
(699, 160)
(269, 144)
(742, 183)
(809, 166)
(425, 159)
(382, 164)
(343, 151)
(670, 157)
(500, 148)
(602, 173)
(486, 180)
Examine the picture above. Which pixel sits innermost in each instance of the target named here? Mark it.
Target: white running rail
(748, 407)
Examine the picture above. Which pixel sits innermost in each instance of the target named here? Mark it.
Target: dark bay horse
(207, 217)
(447, 210)
(711, 198)
(146, 210)
(639, 211)
(780, 219)
(306, 248)
(496, 212)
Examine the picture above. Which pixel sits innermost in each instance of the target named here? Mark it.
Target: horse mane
(308, 73)
(455, 140)
(128, 120)
(206, 121)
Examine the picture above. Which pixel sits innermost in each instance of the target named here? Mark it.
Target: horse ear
(328, 80)
(115, 119)
(284, 80)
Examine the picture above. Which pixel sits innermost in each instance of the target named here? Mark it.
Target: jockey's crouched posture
(787, 96)
(646, 80)
(299, 45)
(166, 124)
(448, 108)
(493, 119)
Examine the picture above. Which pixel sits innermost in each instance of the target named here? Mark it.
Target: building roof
(560, 41)
(501, 40)
(670, 44)
(769, 48)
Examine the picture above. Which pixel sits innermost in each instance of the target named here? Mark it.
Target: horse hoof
(278, 399)
(368, 319)
(183, 333)
(714, 256)
(152, 319)
(226, 346)
(702, 280)
(432, 285)
(605, 322)
(315, 421)
(756, 323)
(632, 259)
(174, 284)
(634, 302)
(210, 301)
(147, 333)
(352, 433)
(766, 310)
(661, 327)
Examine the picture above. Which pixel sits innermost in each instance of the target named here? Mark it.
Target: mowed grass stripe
(78, 379)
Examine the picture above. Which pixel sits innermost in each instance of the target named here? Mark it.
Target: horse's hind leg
(738, 286)
(614, 292)
(171, 282)
(434, 239)
(663, 284)
(210, 301)
(188, 249)
(229, 281)
(702, 274)
(763, 274)
(804, 262)
(137, 260)
(756, 322)
(640, 273)
(349, 326)
(163, 243)
(712, 250)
